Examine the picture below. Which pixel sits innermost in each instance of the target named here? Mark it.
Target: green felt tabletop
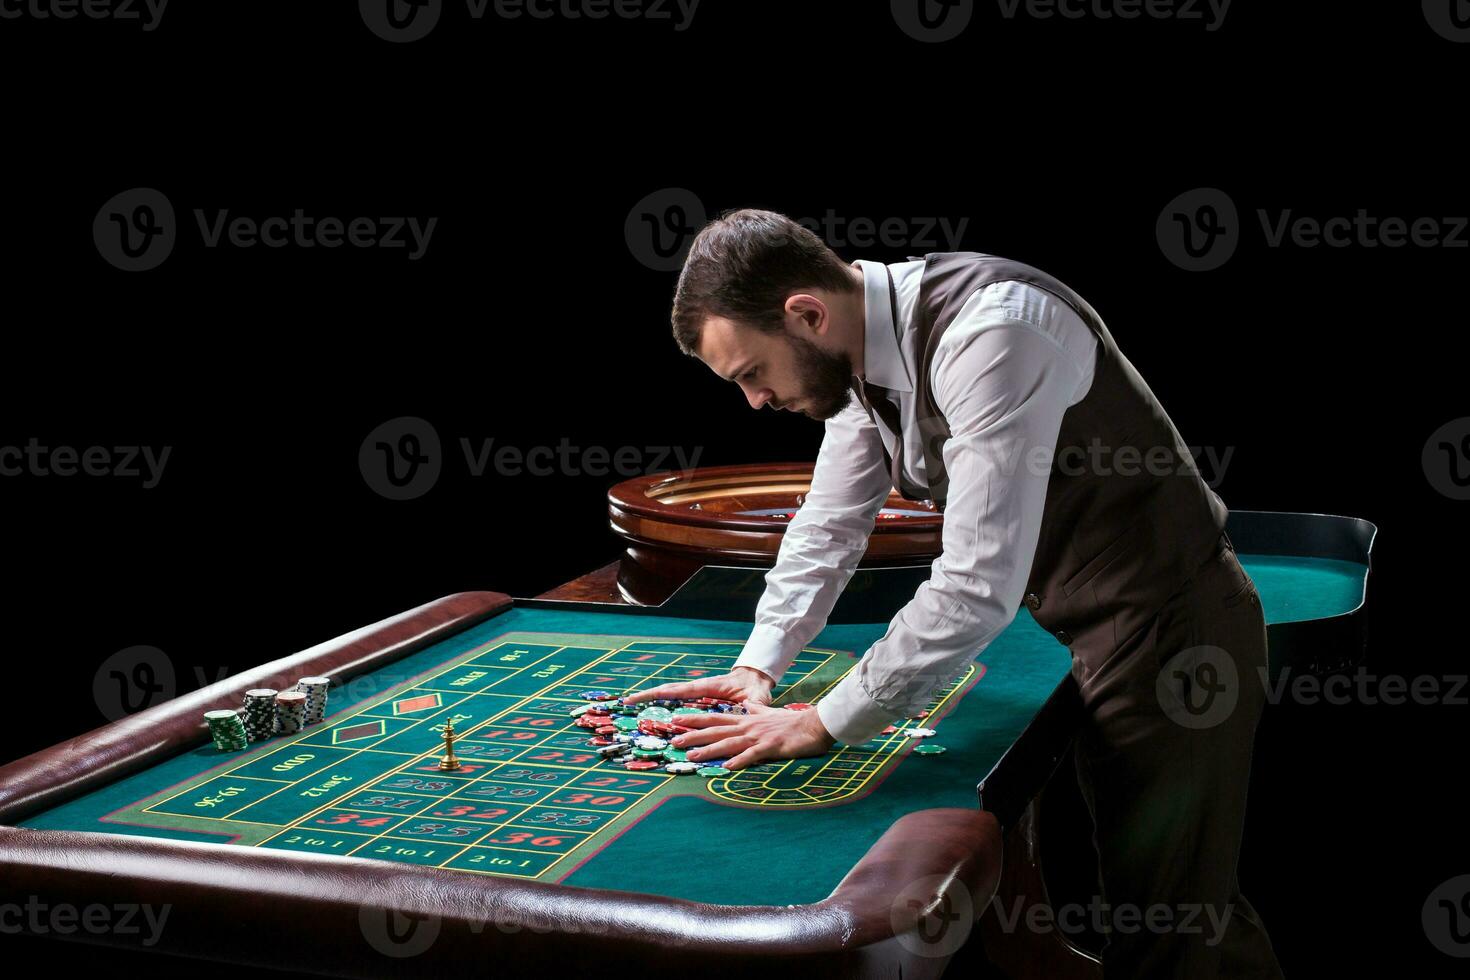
(535, 804)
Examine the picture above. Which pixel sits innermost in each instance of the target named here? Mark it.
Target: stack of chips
(315, 689)
(227, 730)
(290, 712)
(260, 713)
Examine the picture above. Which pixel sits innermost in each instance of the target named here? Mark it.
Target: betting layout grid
(530, 792)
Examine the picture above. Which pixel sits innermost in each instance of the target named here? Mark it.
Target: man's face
(783, 370)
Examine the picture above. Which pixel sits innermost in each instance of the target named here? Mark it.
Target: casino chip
(227, 730)
(655, 713)
(710, 771)
(919, 732)
(651, 742)
(640, 765)
(798, 706)
(260, 713)
(928, 748)
(315, 689)
(682, 768)
(596, 696)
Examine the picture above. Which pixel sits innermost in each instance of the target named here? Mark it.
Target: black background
(532, 319)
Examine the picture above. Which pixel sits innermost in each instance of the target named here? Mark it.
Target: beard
(828, 377)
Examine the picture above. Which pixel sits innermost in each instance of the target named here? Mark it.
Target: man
(995, 390)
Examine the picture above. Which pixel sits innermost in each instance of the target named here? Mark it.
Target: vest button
(1033, 601)
(1064, 638)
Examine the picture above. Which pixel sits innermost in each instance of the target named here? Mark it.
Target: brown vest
(1128, 519)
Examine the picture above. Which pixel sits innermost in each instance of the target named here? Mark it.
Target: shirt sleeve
(1003, 384)
(823, 543)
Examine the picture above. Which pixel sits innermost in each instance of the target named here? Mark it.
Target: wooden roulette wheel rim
(738, 514)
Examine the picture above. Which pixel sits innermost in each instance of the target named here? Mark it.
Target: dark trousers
(1163, 760)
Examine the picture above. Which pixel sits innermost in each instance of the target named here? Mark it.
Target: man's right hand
(741, 684)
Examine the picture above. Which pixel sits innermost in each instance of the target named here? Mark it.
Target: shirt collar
(882, 359)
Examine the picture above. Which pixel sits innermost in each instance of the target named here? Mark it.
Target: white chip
(919, 732)
(651, 742)
(682, 768)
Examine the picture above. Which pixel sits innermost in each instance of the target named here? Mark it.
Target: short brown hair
(744, 265)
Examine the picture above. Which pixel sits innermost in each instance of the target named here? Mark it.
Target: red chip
(600, 740)
(641, 764)
(889, 730)
(798, 706)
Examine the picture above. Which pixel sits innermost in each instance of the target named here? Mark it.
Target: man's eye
(748, 375)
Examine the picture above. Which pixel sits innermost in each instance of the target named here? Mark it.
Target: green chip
(929, 748)
(675, 755)
(714, 771)
(648, 753)
(690, 711)
(655, 714)
(625, 724)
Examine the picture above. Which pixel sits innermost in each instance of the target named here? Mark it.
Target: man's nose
(759, 397)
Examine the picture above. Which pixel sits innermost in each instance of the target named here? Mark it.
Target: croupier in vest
(996, 391)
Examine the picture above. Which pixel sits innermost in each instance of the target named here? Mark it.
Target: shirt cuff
(766, 650)
(850, 715)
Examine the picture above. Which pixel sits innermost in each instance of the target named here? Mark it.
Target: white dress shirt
(1008, 367)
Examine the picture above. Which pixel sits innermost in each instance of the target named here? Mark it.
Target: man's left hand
(747, 740)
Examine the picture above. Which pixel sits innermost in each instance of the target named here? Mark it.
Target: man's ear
(807, 315)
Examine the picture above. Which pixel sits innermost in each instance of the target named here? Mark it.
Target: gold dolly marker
(448, 762)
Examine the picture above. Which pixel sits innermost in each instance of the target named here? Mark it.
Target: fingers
(723, 749)
(752, 756)
(677, 689)
(703, 736)
(707, 721)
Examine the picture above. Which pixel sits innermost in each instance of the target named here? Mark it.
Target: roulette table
(347, 848)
